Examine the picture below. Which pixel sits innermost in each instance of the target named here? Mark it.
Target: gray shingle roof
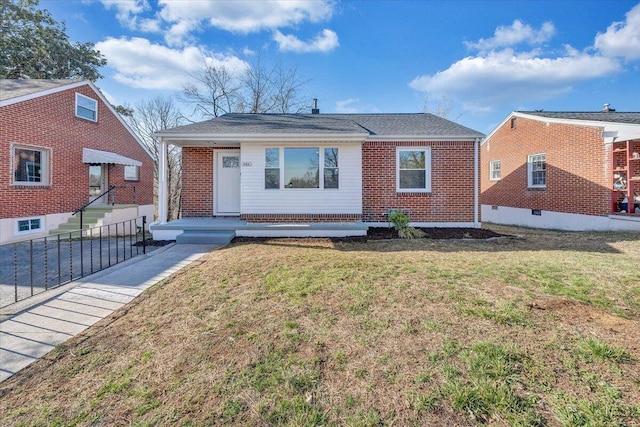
(13, 88)
(597, 116)
(269, 124)
(419, 124)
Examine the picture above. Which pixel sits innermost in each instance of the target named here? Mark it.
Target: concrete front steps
(90, 218)
(201, 237)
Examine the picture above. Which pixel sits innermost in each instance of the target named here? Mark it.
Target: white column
(162, 182)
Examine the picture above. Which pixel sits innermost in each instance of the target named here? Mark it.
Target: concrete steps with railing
(90, 218)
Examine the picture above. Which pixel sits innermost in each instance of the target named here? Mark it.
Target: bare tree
(148, 117)
(288, 86)
(214, 92)
(256, 89)
(441, 106)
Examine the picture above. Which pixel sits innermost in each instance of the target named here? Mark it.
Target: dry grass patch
(534, 331)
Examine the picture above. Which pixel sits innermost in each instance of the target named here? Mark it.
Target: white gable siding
(345, 200)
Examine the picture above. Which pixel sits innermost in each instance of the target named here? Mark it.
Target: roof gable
(13, 91)
(624, 124)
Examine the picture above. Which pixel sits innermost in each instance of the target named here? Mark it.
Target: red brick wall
(577, 168)
(451, 198)
(197, 182)
(50, 122)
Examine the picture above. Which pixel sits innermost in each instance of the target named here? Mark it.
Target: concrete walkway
(33, 327)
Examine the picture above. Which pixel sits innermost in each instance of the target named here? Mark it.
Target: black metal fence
(33, 266)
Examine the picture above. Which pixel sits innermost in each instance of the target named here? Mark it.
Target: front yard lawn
(539, 330)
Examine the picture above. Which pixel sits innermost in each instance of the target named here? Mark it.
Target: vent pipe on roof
(607, 108)
(315, 109)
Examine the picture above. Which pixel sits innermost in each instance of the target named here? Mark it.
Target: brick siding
(49, 122)
(451, 197)
(578, 168)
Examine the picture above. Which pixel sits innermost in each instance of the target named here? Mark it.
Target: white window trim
(17, 231)
(492, 169)
(95, 101)
(427, 165)
(129, 176)
(530, 171)
(282, 167)
(45, 171)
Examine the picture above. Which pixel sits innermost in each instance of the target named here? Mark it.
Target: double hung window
(86, 108)
(537, 170)
(494, 170)
(413, 170)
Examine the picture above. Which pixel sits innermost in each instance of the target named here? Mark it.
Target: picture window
(30, 166)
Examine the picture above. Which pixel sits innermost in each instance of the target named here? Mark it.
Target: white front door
(227, 184)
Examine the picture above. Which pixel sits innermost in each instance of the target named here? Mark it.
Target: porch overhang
(90, 155)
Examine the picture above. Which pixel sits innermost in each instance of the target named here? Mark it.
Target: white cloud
(179, 18)
(513, 35)
(622, 38)
(499, 75)
(138, 63)
(325, 41)
(247, 17)
(127, 11)
(509, 77)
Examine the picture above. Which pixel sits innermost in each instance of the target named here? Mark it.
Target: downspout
(476, 183)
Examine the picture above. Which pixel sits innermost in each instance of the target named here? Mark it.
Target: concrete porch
(221, 230)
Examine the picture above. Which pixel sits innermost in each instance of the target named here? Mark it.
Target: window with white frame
(413, 169)
(131, 173)
(537, 170)
(494, 170)
(29, 225)
(272, 168)
(30, 165)
(331, 171)
(86, 108)
(301, 168)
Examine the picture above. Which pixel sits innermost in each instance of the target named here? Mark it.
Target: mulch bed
(382, 233)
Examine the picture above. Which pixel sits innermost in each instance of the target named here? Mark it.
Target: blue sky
(480, 59)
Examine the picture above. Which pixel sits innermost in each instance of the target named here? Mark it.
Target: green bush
(400, 222)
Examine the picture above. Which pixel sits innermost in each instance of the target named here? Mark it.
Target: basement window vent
(494, 208)
(536, 212)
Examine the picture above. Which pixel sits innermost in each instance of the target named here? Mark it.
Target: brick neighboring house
(326, 168)
(563, 170)
(61, 145)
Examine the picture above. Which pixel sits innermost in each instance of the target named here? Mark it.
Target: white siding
(347, 199)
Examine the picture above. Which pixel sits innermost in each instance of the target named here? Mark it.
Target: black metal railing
(33, 266)
(111, 197)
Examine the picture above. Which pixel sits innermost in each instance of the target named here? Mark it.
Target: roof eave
(410, 138)
(218, 138)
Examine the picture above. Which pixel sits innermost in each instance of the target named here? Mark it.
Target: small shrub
(400, 222)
